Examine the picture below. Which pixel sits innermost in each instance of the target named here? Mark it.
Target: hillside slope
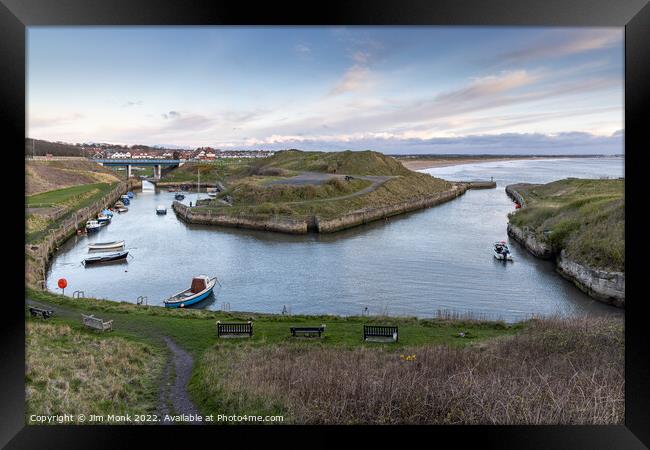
(347, 162)
(43, 175)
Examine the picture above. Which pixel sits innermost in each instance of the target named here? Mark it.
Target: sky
(398, 90)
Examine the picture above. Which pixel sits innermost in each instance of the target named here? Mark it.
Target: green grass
(586, 218)
(71, 371)
(211, 172)
(74, 198)
(328, 380)
(297, 202)
(347, 162)
(195, 329)
(65, 195)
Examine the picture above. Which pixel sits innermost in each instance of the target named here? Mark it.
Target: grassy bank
(74, 372)
(48, 209)
(539, 371)
(211, 172)
(251, 193)
(43, 175)
(586, 218)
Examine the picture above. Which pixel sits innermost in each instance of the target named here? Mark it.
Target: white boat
(114, 245)
(200, 288)
(92, 226)
(122, 209)
(212, 194)
(161, 209)
(501, 251)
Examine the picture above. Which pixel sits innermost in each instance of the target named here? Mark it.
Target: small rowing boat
(161, 209)
(201, 287)
(122, 209)
(179, 196)
(105, 258)
(113, 245)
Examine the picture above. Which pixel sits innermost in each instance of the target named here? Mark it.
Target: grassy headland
(301, 185)
(586, 218)
(556, 371)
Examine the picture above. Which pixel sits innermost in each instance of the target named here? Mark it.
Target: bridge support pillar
(157, 171)
(128, 171)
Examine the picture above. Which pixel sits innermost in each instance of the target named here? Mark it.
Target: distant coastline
(420, 162)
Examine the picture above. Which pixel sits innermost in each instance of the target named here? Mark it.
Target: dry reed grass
(558, 371)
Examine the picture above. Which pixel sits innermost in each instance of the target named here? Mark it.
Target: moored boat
(103, 219)
(105, 258)
(125, 199)
(118, 205)
(122, 209)
(130, 194)
(161, 209)
(113, 245)
(92, 226)
(107, 212)
(201, 287)
(501, 251)
(179, 196)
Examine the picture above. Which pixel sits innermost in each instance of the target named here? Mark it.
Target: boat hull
(106, 246)
(105, 259)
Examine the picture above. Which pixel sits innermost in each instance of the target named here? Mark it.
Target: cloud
(354, 78)
(130, 103)
(488, 86)
(171, 115)
(568, 143)
(302, 49)
(51, 121)
(572, 42)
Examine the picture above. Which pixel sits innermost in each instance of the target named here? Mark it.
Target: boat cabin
(199, 283)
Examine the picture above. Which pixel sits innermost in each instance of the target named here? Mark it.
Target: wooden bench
(96, 323)
(235, 329)
(307, 331)
(380, 333)
(38, 312)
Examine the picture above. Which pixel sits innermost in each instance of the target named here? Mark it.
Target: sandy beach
(427, 163)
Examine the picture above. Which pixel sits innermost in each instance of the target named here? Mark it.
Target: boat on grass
(113, 245)
(501, 251)
(201, 288)
(105, 258)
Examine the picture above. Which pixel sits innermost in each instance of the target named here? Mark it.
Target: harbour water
(418, 264)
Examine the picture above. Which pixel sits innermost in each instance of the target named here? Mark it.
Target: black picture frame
(634, 15)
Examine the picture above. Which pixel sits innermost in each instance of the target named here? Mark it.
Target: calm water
(416, 264)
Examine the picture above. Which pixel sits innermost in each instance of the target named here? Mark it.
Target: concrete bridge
(157, 164)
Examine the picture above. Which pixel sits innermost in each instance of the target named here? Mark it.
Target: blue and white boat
(130, 194)
(107, 212)
(103, 220)
(92, 226)
(201, 288)
(125, 199)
